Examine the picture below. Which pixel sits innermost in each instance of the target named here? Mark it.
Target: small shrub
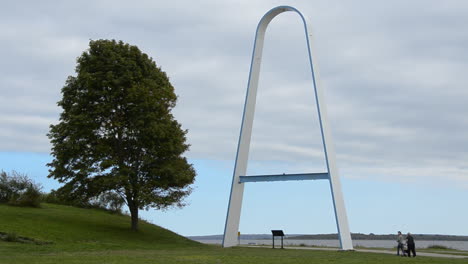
(109, 201)
(62, 196)
(437, 247)
(3, 187)
(31, 197)
(18, 189)
(11, 237)
(54, 198)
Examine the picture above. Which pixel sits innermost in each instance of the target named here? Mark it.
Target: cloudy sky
(393, 73)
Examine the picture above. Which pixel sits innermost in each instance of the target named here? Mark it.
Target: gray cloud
(393, 74)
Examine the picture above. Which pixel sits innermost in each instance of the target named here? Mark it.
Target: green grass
(76, 229)
(94, 236)
(449, 251)
(438, 247)
(445, 251)
(430, 249)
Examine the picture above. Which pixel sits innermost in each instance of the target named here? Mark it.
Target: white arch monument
(239, 175)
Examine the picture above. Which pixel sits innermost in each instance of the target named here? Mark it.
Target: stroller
(405, 250)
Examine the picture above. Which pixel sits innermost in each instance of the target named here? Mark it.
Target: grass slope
(93, 236)
(71, 228)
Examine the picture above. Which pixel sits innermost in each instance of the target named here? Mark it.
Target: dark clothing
(411, 245)
(411, 248)
(402, 248)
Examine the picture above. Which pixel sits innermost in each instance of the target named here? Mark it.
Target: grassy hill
(95, 236)
(71, 228)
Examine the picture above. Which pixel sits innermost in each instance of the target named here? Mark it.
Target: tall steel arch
(239, 175)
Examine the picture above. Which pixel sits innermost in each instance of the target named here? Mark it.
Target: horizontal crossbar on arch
(285, 177)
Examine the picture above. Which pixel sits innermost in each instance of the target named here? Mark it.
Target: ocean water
(460, 245)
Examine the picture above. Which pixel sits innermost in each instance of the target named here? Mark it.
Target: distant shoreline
(356, 236)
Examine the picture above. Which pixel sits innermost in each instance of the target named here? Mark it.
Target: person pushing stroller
(401, 245)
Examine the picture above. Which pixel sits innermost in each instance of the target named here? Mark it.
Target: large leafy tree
(116, 132)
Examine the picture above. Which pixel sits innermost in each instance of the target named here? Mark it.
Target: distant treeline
(356, 236)
(359, 236)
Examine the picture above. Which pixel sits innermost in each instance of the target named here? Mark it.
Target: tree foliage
(117, 132)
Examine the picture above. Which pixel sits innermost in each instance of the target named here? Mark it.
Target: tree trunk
(134, 215)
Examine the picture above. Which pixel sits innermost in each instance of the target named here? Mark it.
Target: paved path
(425, 254)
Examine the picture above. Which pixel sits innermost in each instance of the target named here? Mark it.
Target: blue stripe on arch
(285, 177)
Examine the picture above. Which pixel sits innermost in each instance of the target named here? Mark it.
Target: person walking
(411, 245)
(400, 246)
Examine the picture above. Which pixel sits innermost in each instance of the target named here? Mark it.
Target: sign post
(279, 233)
